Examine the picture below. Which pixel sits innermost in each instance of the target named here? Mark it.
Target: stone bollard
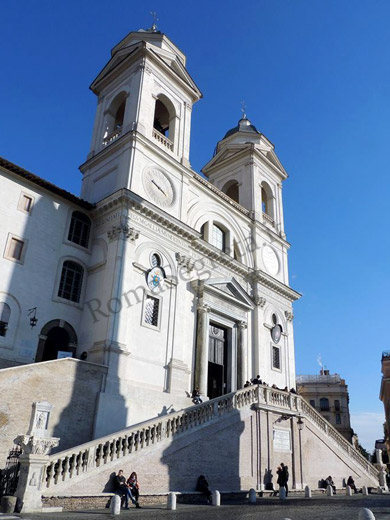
(329, 491)
(348, 491)
(8, 504)
(307, 492)
(216, 498)
(252, 496)
(171, 501)
(366, 514)
(282, 493)
(364, 490)
(115, 505)
(379, 490)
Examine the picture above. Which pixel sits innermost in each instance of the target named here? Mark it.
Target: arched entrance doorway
(56, 340)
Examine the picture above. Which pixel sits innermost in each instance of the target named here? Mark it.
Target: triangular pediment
(230, 289)
(224, 154)
(116, 60)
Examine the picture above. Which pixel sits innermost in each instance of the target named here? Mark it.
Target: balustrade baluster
(106, 451)
(49, 474)
(98, 455)
(65, 467)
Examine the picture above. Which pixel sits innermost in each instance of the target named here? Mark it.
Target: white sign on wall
(282, 440)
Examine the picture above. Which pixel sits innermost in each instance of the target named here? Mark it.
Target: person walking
(203, 487)
(284, 476)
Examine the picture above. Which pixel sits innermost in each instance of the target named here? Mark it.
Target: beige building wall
(328, 394)
(70, 385)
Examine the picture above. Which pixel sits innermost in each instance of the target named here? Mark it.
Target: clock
(158, 187)
(155, 279)
(271, 261)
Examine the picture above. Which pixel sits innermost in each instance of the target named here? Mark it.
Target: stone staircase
(77, 470)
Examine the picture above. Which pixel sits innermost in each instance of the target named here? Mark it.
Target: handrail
(75, 461)
(64, 465)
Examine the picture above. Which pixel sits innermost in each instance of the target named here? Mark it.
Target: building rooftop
(11, 167)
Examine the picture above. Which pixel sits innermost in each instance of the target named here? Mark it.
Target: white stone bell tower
(145, 98)
(246, 168)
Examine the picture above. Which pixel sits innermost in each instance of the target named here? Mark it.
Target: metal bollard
(364, 490)
(216, 498)
(115, 505)
(307, 492)
(282, 493)
(171, 503)
(329, 491)
(366, 514)
(348, 491)
(252, 496)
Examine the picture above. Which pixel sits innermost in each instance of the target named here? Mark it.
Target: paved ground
(317, 508)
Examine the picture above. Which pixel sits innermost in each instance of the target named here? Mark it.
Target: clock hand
(158, 187)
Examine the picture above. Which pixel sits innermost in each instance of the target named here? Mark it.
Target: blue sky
(315, 78)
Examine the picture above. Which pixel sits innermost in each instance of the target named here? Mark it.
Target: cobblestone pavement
(317, 508)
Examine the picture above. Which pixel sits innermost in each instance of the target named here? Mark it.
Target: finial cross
(155, 20)
(243, 107)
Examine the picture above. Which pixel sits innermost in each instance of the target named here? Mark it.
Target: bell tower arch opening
(114, 118)
(164, 120)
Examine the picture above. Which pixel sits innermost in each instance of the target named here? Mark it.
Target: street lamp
(300, 423)
(33, 318)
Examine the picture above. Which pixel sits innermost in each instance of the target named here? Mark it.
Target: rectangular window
(338, 418)
(25, 203)
(151, 309)
(337, 405)
(312, 403)
(276, 357)
(15, 249)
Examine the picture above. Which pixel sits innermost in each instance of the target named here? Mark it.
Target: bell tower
(145, 97)
(246, 168)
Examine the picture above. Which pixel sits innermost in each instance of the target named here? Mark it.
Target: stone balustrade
(81, 459)
(112, 137)
(162, 139)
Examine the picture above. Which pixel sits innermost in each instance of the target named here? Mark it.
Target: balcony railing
(112, 137)
(162, 139)
(268, 220)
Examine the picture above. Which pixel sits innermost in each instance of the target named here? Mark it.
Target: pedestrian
(133, 485)
(285, 476)
(203, 487)
(351, 484)
(196, 398)
(122, 489)
(329, 482)
(279, 480)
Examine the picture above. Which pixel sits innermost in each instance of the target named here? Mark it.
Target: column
(242, 352)
(202, 349)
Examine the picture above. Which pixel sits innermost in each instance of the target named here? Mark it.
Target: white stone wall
(71, 386)
(34, 283)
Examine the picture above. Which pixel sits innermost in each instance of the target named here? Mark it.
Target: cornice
(279, 287)
(220, 193)
(215, 254)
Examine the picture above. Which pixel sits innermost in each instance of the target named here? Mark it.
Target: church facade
(170, 279)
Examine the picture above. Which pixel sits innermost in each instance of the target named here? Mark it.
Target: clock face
(158, 187)
(271, 261)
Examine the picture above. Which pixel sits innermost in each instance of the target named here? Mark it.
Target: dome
(244, 125)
